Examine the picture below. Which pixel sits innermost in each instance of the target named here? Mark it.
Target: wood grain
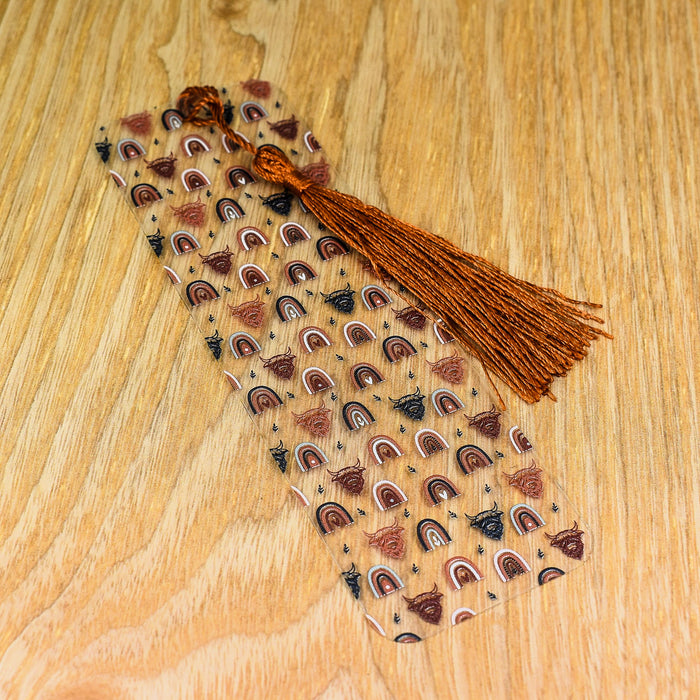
(559, 139)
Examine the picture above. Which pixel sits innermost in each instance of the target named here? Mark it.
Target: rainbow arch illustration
(172, 275)
(292, 232)
(446, 402)
(382, 448)
(374, 624)
(129, 149)
(356, 333)
(232, 380)
(199, 291)
(183, 242)
(525, 518)
(461, 571)
(438, 488)
(309, 456)
(243, 344)
(518, 440)
(364, 374)
(263, 398)
(311, 143)
(172, 119)
(407, 638)
(228, 209)
(429, 442)
(549, 574)
(383, 581)
(313, 338)
(330, 247)
(250, 237)
(315, 380)
(374, 297)
(238, 176)
(356, 415)
(301, 496)
(119, 181)
(431, 534)
(397, 347)
(388, 495)
(229, 145)
(509, 564)
(462, 614)
(193, 144)
(298, 271)
(288, 308)
(252, 112)
(470, 458)
(442, 334)
(331, 516)
(143, 194)
(252, 275)
(194, 179)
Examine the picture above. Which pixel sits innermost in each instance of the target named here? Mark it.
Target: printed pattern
(414, 479)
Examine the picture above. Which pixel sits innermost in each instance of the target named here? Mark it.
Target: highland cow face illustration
(286, 128)
(570, 542)
(449, 368)
(165, 167)
(219, 261)
(250, 312)
(427, 605)
(316, 420)
(190, 213)
(528, 480)
(281, 365)
(341, 299)
(487, 423)
(352, 578)
(279, 454)
(389, 540)
(350, 478)
(411, 405)
(411, 317)
(489, 522)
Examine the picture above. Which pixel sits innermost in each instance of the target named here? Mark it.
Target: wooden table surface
(559, 139)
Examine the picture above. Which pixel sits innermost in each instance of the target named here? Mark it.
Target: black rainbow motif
(238, 176)
(431, 534)
(330, 247)
(262, 398)
(228, 209)
(470, 458)
(252, 112)
(331, 516)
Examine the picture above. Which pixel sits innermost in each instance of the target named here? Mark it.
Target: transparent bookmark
(432, 501)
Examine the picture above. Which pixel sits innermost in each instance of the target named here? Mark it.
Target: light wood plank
(558, 139)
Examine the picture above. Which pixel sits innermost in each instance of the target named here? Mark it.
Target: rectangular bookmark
(430, 498)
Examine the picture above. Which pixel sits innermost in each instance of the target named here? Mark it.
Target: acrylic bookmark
(431, 500)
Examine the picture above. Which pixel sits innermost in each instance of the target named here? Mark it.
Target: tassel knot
(271, 164)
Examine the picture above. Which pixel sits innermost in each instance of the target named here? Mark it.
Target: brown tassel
(524, 334)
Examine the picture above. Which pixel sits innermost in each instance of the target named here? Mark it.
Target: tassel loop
(197, 100)
(202, 106)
